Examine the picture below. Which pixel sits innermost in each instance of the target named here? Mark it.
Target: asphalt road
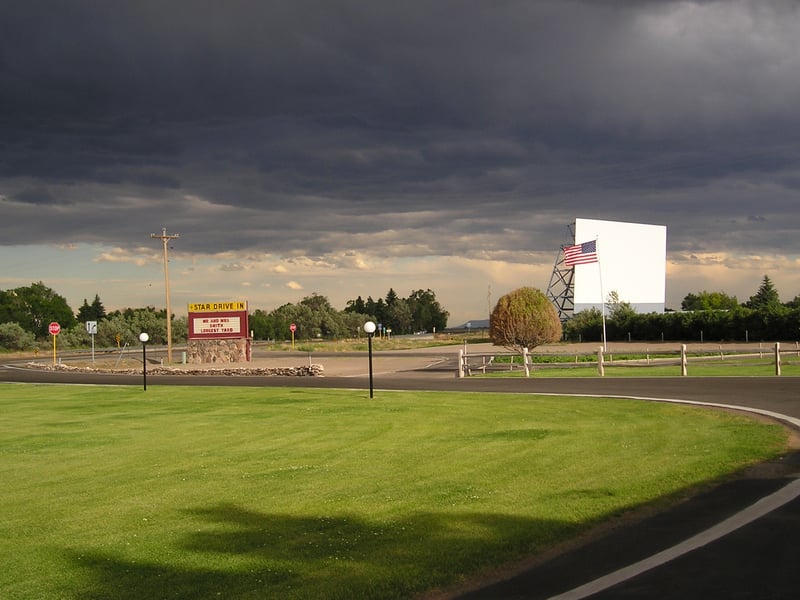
(740, 539)
(778, 394)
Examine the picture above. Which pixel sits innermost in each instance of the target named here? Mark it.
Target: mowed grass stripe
(111, 492)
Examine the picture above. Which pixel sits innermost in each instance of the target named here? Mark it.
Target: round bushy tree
(524, 318)
(14, 337)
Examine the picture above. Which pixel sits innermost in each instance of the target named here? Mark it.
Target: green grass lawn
(112, 492)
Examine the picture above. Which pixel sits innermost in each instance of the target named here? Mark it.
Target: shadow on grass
(237, 553)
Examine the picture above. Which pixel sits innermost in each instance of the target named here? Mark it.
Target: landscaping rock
(312, 370)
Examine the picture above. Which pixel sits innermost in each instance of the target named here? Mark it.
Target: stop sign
(54, 328)
(292, 327)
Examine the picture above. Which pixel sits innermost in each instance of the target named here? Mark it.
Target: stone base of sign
(217, 351)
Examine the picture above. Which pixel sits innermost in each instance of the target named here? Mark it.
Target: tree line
(26, 312)
(705, 316)
(314, 316)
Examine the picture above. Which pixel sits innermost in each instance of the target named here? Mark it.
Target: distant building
(473, 325)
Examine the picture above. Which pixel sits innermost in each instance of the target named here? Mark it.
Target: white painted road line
(764, 506)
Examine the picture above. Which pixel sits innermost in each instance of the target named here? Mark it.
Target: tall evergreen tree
(766, 296)
(98, 310)
(356, 306)
(91, 312)
(85, 312)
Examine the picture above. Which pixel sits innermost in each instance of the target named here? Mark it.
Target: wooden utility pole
(165, 239)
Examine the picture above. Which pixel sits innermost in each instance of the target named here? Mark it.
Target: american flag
(580, 254)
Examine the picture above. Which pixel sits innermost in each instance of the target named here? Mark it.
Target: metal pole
(369, 346)
(144, 365)
(169, 308)
(165, 239)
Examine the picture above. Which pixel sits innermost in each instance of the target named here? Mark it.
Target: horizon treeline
(704, 316)
(26, 312)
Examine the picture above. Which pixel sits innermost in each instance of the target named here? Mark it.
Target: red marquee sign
(218, 325)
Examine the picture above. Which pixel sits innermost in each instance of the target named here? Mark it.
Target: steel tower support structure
(561, 289)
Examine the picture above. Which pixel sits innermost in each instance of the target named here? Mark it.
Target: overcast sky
(345, 147)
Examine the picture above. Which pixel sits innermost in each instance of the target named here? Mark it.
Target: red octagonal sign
(54, 328)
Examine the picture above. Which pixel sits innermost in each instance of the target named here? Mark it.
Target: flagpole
(584, 254)
(602, 297)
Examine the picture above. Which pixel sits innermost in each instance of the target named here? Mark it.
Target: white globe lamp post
(144, 337)
(369, 329)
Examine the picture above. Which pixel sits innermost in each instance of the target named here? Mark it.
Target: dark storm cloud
(310, 122)
(37, 195)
